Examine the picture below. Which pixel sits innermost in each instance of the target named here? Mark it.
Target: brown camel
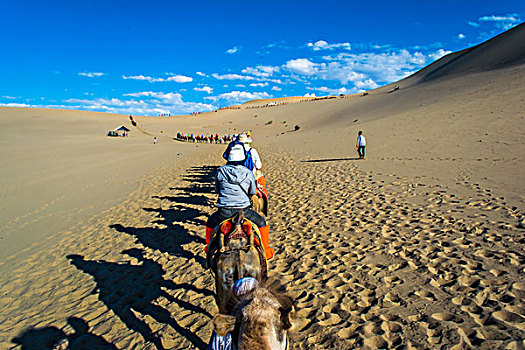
(261, 319)
(233, 255)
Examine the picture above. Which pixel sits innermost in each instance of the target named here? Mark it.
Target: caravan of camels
(254, 314)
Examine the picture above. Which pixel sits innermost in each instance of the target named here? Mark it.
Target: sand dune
(501, 51)
(420, 246)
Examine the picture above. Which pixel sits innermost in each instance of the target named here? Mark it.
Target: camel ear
(224, 324)
(287, 317)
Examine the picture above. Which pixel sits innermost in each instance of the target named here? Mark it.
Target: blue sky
(156, 57)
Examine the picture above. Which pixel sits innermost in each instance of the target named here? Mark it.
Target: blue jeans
(361, 151)
(225, 213)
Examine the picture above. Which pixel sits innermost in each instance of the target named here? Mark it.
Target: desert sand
(420, 246)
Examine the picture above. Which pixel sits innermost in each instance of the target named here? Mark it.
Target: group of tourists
(204, 138)
(236, 183)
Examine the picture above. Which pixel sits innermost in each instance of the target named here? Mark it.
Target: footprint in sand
(511, 318)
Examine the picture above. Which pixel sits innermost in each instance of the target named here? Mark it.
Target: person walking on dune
(361, 144)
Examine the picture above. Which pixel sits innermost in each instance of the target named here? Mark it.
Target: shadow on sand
(328, 160)
(130, 289)
(169, 237)
(48, 338)
(173, 235)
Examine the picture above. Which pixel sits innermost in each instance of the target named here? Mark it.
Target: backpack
(249, 160)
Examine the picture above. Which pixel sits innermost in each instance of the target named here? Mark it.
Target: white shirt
(361, 141)
(255, 156)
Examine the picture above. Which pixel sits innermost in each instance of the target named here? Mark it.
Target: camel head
(261, 320)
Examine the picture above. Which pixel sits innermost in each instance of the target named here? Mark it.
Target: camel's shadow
(130, 289)
(173, 235)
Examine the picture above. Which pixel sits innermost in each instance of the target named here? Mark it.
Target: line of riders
(241, 186)
(204, 138)
(238, 246)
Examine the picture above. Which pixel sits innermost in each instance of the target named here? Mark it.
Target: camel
(261, 319)
(260, 199)
(234, 253)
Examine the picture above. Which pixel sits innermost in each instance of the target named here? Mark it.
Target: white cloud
(154, 103)
(234, 49)
(142, 77)
(434, 56)
(179, 79)
(91, 74)
(508, 18)
(232, 77)
(301, 66)
(14, 105)
(204, 88)
(342, 90)
(370, 69)
(461, 36)
(175, 78)
(9, 97)
(309, 95)
(261, 71)
(236, 97)
(323, 45)
(201, 74)
(276, 88)
(259, 84)
(501, 23)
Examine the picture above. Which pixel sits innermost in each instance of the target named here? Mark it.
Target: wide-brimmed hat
(237, 154)
(244, 138)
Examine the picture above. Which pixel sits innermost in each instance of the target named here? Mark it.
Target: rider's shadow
(193, 200)
(128, 289)
(47, 338)
(200, 179)
(173, 237)
(179, 214)
(82, 339)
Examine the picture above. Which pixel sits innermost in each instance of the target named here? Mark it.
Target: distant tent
(121, 128)
(116, 131)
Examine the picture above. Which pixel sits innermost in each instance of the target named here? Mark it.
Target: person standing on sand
(155, 140)
(361, 144)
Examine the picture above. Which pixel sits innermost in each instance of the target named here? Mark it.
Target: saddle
(235, 228)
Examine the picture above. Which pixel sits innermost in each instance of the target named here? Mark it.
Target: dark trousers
(361, 151)
(225, 213)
